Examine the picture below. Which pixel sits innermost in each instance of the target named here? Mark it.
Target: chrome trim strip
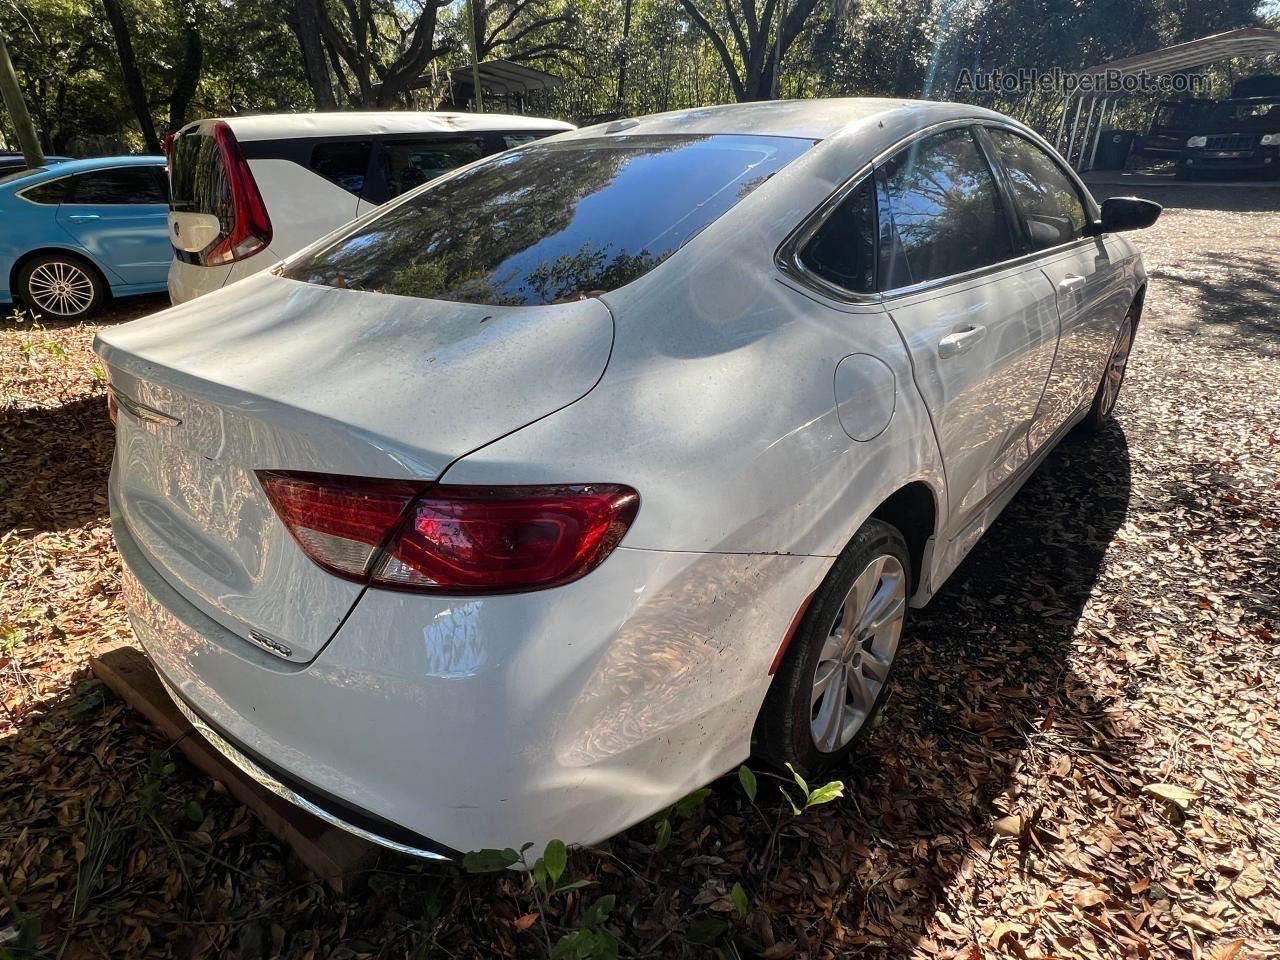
(264, 779)
(142, 411)
(787, 257)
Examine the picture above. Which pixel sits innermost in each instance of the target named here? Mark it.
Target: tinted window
(342, 163)
(199, 180)
(552, 221)
(122, 185)
(1046, 197)
(411, 163)
(51, 191)
(943, 211)
(844, 248)
(510, 140)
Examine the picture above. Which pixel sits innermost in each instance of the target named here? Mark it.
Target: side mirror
(1125, 213)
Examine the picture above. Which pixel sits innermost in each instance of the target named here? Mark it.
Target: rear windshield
(198, 180)
(551, 221)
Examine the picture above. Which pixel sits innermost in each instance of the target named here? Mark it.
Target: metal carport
(1081, 150)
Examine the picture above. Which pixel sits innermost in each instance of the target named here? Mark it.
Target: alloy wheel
(60, 288)
(1114, 375)
(857, 654)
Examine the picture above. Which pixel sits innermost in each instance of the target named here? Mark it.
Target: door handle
(82, 217)
(1071, 283)
(956, 343)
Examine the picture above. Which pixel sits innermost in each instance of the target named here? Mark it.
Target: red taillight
(340, 522)
(113, 406)
(452, 539)
(251, 226)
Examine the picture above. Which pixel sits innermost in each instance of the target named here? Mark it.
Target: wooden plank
(334, 855)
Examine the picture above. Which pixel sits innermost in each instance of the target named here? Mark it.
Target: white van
(249, 191)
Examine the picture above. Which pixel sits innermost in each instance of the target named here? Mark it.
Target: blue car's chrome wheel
(60, 286)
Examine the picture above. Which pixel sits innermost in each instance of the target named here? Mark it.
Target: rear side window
(553, 221)
(942, 210)
(51, 191)
(843, 250)
(124, 185)
(344, 163)
(199, 180)
(411, 163)
(1047, 198)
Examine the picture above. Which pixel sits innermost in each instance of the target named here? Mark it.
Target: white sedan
(549, 492)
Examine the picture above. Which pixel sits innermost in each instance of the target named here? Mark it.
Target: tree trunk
(622, 63)
(131, 75)
(306, 24)
(187, 76)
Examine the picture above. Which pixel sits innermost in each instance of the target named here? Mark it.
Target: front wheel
(1104, 401)
(61, 285)
(835, 673)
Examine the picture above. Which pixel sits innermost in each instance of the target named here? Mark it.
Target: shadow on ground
(986, 663)
(54, 463)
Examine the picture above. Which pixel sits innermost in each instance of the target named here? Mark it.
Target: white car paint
(304, 206)
(762, 418)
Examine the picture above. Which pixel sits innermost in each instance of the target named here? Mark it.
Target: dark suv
(1240, 135)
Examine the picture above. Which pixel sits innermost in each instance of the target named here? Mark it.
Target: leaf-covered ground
(1082, 758)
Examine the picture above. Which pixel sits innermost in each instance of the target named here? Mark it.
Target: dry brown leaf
(1250, 882)
(1010, 826)
(1089, 897)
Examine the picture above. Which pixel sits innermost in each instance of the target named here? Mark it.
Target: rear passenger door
(1089, 287)
(120, 216)
(979, 321)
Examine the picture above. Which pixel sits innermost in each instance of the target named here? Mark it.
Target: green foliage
(748, 781)
(591, 941)
(812, 796)
(682, 809)
(70, 73)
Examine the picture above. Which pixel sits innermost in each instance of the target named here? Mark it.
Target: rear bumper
(434, 725)
(188, 280)
(316, 802)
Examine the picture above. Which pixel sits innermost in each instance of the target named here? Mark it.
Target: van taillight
(251, 226)
(451, 539)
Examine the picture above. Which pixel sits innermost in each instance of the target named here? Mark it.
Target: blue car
(77, 233)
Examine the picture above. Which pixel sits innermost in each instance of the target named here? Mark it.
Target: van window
(344, 163)
(550, 222)
(510, 140)
(943, 211)
(843, 250)
(199, 180)
(407, 164)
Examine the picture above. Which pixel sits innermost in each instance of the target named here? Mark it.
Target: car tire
(841, 645)
(61, 286)
(1104, 399)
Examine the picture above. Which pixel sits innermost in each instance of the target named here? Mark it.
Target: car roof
(815, 119)
(69, 167)
(276, 126)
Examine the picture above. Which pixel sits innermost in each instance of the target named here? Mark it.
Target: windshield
(1261, 115)
(1178, 116)
(551, 222)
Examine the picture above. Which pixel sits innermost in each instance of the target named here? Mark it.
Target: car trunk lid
(274, 374)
